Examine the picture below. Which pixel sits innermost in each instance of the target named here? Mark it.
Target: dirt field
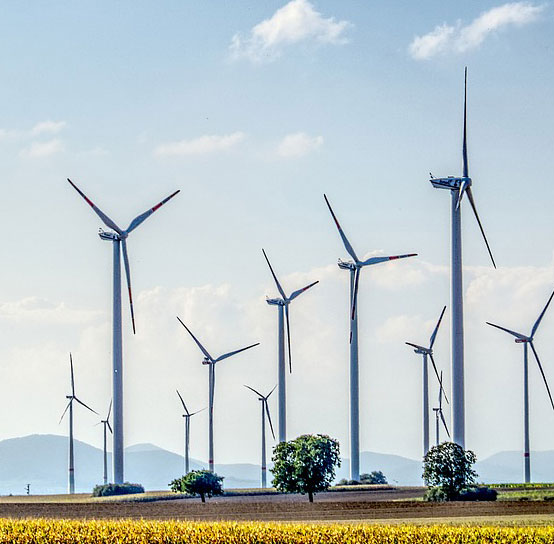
(354, 506)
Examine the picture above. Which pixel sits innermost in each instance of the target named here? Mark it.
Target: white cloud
(199, 146)
(32, 309)
(48, 127)
(42, 149)
(298, 145)
(448, 38)
(295, 22)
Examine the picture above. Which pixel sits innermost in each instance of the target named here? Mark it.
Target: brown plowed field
(346, 506)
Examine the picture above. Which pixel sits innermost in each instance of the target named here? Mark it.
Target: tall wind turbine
(458, 186)
(118, 237)
(107, 427)
(355, 267)
(187, 415)
(265, 410)
(528, 341)
(69, 407)
(427, 353)
(439, 416)
(283, 307)
(211, 362)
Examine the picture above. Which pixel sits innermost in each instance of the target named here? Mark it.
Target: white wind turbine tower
(211, 362)
(528, 341)
(283, 307)
(69, 407)
(107, 427)
(187, 415)
(458, 186)
(439, 416)
(265, 410)
(355, 267)
(118, 237)
(428, 353)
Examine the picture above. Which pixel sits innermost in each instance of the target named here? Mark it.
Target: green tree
(198, 482)
(306, 464)
(376, 477)
(448, 468)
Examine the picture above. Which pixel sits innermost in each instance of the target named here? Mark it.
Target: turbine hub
(451, 182)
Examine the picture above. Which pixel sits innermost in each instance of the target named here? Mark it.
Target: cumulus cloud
(48, 127)
(296, 22)
(39, 309)
(298, 145)
(38, 150)
(459, 38)
(200, 146)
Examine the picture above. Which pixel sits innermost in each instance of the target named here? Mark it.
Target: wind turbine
(428, 352)
(187, 415)
(69, 407)
(458, 186)
(106, 424)
(119, 238)
(528, 341)
(265, 410)
(211, 362)
(283, 307)
(439, 416)
(355, 267)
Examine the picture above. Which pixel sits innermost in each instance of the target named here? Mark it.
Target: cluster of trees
(374, 478)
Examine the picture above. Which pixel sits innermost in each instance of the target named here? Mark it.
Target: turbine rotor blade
(415, 346)
(87, 407)
(231, 353)
(438, 377)
(472, 202)
(269, 394)
(105, 219)
(542, 372)
(513, 333)
(202, 348)
(128, 276)
(274, 276)
(294, 294)
(377, 260)
(464, 144)
(444, 423)
(183, 402)
(257, 392)
(66, 409)
(434, 335)
(109, 411)
(345, 241)
(537, 322)
(269, 418)
(109, 426)
(72, 375)
(197, 412)
(355, 295)
(288, 336)
(143, 216)
(461, 191)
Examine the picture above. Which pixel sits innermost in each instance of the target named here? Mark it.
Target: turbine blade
(441, 391)
(257, 392)
(105, 219)
(183, 402)
(269, 394)
(269, 418)
(464, 144)
(355, 295)
(434, 335)
(513, 333)
(472, 202)
(542, 372)
(377, 260)
(72, 375)
(300, 291)
(274, 276)
(438, 377)
(202, 348)
(109, 411)
(212, 377)
(537, 322)
(345, 241)
(231, 353)
(143, 216)
(197, 412)
(87, 407)
(128, 276)
(66, 409)
(109, 426)
(461, 191)
(444, 423)
(288, 336)
(415, 345)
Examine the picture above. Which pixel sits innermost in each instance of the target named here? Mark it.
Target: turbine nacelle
(451, 182)
(206, 361)
(347, 265)
(108, 235)
(523, 340)
(276, 301)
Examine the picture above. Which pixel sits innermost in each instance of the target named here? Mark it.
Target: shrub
(435, 494)
(198, 482)
(477, 494)
(107, 490)
(376, 477)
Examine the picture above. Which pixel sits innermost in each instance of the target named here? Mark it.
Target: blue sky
(358, 100)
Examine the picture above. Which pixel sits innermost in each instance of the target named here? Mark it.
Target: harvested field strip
(131, 532)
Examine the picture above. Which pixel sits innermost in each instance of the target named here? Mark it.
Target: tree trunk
(310, 496)
(202, 497)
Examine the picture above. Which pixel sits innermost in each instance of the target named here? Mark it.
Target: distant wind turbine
(265, 410)
(283, 306)
(427, 352)
(458, 186)
(69, 407)
(211, 362)
(439, 416)
(107, 427)
(528, 341)
(119, 238)
(187, 415)
(355, 266)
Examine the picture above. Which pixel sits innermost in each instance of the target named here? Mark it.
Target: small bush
(435, 494)
(376, 477)
(478, 494)
(107, 490)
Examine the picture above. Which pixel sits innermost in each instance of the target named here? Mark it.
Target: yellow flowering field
(130, 532)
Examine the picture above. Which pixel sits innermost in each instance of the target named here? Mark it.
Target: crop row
(131, 532)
